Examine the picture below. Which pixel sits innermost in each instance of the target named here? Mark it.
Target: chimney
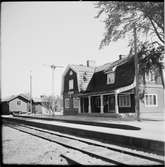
(121, 56)
(91, 63)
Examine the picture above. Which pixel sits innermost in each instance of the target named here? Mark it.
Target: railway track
(90, 151)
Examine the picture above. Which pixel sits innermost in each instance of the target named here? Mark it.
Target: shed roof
(27, 98)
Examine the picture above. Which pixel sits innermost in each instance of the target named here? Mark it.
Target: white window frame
(67, 103)
(110, 78)
(125, 101)
(152, 104)
(150, 76)
(75, 102)
(71, 84)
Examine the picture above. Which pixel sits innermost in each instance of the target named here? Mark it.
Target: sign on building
(76, 102)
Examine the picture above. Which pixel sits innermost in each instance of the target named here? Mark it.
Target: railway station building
(110, 89)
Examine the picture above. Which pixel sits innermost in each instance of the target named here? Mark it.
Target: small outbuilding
(16, 104)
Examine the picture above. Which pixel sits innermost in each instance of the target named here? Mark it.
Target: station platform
(144, 134)
(149, 129)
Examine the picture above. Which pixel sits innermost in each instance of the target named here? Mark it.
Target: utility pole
(53, 67)
(136, 61)
(31, 92)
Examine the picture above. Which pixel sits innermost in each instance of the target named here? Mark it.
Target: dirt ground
(22, 148)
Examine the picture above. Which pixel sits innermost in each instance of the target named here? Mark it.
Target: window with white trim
(66, 102)
(70, 84)
(150, 100)
(111, 78)
(150, 76)
(124, 101)
(75, 102)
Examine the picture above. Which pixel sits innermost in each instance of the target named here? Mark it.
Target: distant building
(39, 108)
(20, 104)
(16, 104)
(110, 89)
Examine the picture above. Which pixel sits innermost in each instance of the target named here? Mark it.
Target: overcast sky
(59, 33)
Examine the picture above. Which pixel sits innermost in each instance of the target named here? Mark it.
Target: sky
(59, 33)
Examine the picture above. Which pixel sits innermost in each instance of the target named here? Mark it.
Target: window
(150, 100)
(18, 103)
(110, 78)
(124, 101)
(70, 73)
(85, 78)
(70, 84)
(75, 102)
(150, 76)
(66, 102)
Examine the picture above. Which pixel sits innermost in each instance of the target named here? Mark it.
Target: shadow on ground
(85, 122)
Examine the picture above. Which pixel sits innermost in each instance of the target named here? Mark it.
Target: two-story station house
(110, 89)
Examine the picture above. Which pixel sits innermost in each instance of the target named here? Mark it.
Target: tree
(47, 101)
(119, 18)
(148, 17)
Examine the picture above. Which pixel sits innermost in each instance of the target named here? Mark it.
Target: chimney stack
(121, 56)
(91, 63)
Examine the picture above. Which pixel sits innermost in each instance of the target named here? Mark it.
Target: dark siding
(70, 110)
(5, 108)
(124, 76)
(66, 82)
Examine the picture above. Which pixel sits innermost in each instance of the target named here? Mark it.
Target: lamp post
(31, 109)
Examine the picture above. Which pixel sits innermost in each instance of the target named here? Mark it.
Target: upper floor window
(70, 73)
(85, 78)
(150, 100)
(111, 78)
(150, 76)
(70, 84)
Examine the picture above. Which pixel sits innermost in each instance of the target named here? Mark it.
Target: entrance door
(95, 104)
(109, 103)
(84, 104)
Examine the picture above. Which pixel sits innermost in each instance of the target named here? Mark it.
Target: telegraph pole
(30, 92)
(53, 67)
(136, 61)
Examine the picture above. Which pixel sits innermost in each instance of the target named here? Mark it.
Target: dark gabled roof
(109, 66)
(124, 76)
(21, 96)
(91, 73)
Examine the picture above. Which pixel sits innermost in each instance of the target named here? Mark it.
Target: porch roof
(129, 91)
